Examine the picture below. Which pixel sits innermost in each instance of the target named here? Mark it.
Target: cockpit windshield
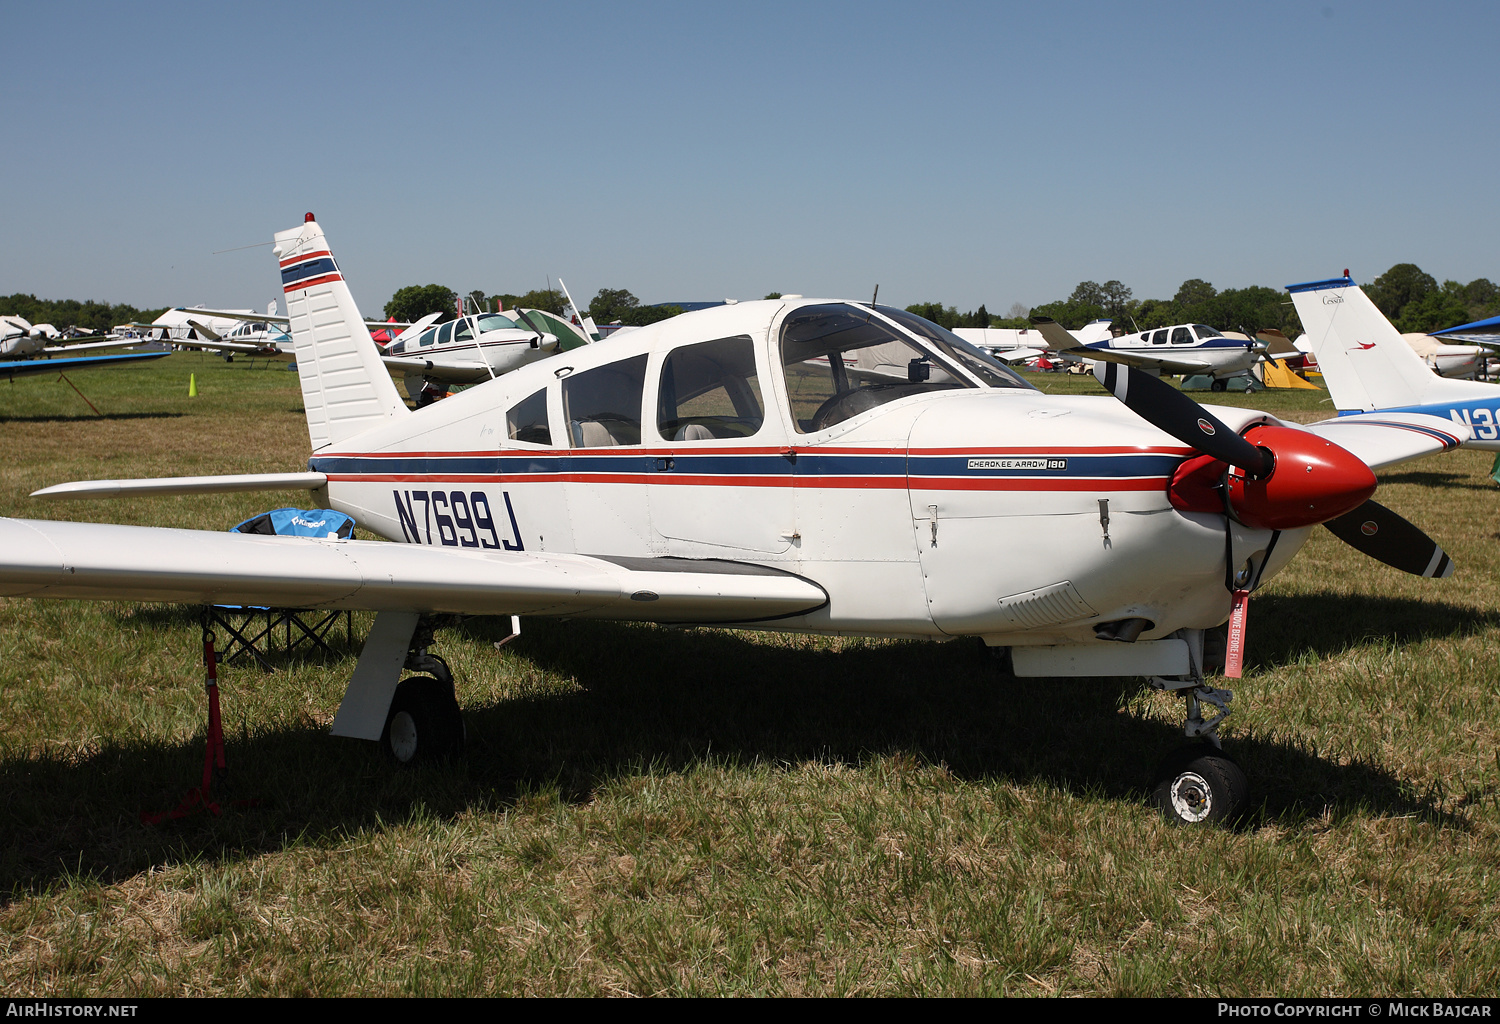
(841, 360)
(986, 367)
(495, 322)
(1204, 331)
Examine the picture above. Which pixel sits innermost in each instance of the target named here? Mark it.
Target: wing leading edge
(42, 559)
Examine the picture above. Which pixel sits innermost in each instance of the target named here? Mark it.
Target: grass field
(648, 811)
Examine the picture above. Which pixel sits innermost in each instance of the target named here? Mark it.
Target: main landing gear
(424, 723)
(1198, 784)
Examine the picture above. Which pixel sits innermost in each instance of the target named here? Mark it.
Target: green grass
(651, 811)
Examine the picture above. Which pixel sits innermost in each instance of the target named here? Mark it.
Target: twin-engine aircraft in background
(1184, 349)
(799, 465)
(24, 351)
(1371, 371)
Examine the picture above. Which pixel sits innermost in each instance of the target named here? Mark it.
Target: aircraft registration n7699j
(793, 464)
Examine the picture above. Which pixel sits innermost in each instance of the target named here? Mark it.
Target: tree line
(65, 313)
(1410, 298)
(611, 305)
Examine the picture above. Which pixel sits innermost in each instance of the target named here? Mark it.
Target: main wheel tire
(1198, 785)
(1218, 385)
(424, 723)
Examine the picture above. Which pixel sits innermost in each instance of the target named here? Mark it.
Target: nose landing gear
(1198, 784)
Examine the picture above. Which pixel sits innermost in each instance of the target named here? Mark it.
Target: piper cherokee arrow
(798, 464)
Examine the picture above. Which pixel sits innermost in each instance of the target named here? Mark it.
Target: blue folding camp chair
(299, 626)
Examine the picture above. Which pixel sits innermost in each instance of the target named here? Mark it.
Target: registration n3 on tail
(804, 465)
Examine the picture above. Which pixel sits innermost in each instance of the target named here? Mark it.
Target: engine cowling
(1312, 481)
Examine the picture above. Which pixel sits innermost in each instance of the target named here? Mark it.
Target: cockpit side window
(527, 420)
(709, 391)
(464, 329)
(840, 360)
(1182, 336)
(603, 405)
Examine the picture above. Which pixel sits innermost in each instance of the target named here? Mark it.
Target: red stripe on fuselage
(1153, 483)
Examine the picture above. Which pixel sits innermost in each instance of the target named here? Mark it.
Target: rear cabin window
(709, 391)
(527, 420)
(1159, 338)
(603, 405)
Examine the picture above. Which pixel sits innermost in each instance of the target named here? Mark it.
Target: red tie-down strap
(213, 754)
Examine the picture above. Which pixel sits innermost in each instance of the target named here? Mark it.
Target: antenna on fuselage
(876, 295)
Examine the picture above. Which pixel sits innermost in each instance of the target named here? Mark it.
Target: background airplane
(1015, 346)
(1183, 348)
(24, 351)
(1368, 367)
(430, 359)
(750, 465)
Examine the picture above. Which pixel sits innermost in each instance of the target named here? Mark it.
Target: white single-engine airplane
(1369, 369)
(752, 466)
(1185, 349)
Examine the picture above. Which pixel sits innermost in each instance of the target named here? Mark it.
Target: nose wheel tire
(1198, 785)
(424, 723)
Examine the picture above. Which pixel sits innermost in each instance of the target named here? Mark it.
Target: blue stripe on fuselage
(1483, 414)
(729, 466)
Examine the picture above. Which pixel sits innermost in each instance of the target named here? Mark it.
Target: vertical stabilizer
(1363, 359)
(345, 386)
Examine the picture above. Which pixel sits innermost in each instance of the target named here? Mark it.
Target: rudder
(345, 387)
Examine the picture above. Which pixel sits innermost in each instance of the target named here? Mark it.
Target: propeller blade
(1383, 535)
(1172, 412)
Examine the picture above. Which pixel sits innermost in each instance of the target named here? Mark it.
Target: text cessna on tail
(801, 465)
(1371, 370)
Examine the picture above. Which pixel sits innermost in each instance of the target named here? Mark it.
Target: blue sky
(953, 152)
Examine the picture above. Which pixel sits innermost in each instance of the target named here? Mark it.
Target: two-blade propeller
(1321, 483)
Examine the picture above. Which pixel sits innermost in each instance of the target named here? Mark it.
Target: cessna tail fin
(345, 387)
(1364, 361)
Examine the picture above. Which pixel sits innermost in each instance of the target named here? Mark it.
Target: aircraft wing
(39, 558)
(14, 368)
(450, 372)
(224, 484)
(1144, 361)
(113, 341)
(263, 318)
(1384, 439)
